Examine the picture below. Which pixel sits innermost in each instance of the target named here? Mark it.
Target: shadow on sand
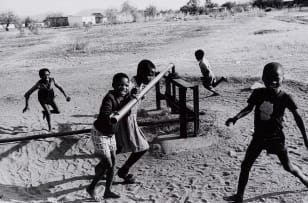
(42, 192)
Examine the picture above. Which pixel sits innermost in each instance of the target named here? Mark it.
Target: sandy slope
(55, 170)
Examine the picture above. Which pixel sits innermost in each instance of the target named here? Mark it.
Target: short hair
(144, 67)
(117, 77)
(270, 67)
(42, 71)
(199, 54)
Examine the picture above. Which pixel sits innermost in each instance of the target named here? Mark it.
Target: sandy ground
(59, 169)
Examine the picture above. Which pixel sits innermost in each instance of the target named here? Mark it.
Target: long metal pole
(76, 132)
(116, 117)
(43, 136)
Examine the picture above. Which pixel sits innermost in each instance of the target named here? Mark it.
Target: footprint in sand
(305, 199)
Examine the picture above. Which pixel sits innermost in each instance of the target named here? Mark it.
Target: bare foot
(109, 194)
(214, 94)
(234, 198)
(90, 191)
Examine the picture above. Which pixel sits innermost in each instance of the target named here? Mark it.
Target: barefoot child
(208, 79)
(270, 103)
(130, 137)
(103, 134)
(46, 95)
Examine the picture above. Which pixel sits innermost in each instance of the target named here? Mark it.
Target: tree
(209, 4)
(192, 7)
(127, 8)
(28, 21)
(150, 11)
(111, 15)
(229, 5)
(193, 3)
(8, 18)
(185, 9)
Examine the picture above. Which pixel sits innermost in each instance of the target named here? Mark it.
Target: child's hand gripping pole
(115, 118)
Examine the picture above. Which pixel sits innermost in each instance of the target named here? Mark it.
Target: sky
(71, 7)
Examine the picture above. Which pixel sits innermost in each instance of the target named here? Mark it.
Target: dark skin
(123, 172)
(47, 112)
(107, 163)
(272, 80)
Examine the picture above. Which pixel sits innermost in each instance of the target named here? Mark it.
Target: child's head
(120, 84)
(44, 73)
(272, 75)
(199, 54)
(145, 71)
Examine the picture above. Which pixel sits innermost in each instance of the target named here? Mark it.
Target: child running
(130, 137)
(46, 95)
(103, 134)
(270, 103)
(208, 80)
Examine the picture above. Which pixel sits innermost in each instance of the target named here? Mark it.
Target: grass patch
(79, 46)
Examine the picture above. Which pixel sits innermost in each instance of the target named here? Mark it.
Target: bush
(78, 46)
(111, 15)
(267, 3)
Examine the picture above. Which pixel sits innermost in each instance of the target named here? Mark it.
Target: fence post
(196, 109)
(183, 112)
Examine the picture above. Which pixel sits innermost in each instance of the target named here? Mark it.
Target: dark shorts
(208, 82)
(46, 97)
(273, 145)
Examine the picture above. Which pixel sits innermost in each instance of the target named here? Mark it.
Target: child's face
(149, 76)
(121, 86)
(198, 59)
(46, 75)
(273, 79)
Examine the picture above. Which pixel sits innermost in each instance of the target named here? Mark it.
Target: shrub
(78, 46)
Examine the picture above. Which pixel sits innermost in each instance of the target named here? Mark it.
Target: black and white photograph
(153, 101)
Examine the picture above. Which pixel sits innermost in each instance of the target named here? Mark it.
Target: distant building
(39, 24)
(99, 18)
(56, 21)
(81, 20)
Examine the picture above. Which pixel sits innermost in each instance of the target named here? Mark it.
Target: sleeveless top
(46, 92)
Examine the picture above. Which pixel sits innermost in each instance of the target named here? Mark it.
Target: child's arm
(27, 96)
(61, 90)
(241, 114)
(299, 121)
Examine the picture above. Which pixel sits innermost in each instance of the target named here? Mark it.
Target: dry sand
(59, 169)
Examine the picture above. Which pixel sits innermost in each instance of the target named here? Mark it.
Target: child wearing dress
(130, 138)
(103, 134)
(46, 95)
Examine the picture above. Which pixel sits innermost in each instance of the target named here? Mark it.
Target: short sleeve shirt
(269, 111)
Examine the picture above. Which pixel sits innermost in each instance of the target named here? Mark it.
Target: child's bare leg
(211, 89)
(110, 161)
(123, 171)
(55, 108)
(252, 153)
(288, 166)
(46, 112)
(219, 81)
(99, 171)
